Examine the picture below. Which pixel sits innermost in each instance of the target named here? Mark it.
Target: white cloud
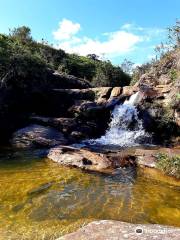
(116, 43)
(110, 45)
(127, 26)
(66, 30)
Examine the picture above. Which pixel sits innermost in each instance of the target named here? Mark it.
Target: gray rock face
(116, 230)
(73, 129)
(37, 136)
(68, 81)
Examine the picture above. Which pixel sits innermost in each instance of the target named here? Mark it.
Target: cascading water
(125, 128)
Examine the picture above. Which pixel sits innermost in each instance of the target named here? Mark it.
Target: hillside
(29, 70)
(161, 88)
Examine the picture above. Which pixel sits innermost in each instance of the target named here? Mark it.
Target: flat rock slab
(103, 160)
(88, 159)
(37, 136)
(81, 158)
(116, 230)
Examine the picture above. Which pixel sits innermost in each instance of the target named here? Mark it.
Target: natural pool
(41, 200)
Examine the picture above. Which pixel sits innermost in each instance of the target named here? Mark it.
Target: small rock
(116, 92)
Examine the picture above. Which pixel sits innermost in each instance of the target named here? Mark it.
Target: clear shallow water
(41, 200)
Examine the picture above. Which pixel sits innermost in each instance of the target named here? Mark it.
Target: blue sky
(113, 29)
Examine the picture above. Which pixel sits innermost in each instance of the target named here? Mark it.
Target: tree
(93, 57)
(138, 71)
(173, 41)
(127, 66)
(21, 33)
(174, 34)
(109, 75)
(78, 66)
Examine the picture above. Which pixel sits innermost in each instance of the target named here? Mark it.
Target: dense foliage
(24, 61)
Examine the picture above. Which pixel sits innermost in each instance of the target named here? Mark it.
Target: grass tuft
(169, 164)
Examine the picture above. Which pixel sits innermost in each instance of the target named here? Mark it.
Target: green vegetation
(164, 55)
(178, 96)
(169, 164)
(138, 71)
(173, 74)
(24, 62)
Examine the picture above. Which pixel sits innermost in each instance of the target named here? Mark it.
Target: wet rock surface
(37, 136)
(116, 230)
(106, 159)
(88, 159)
(81, 158)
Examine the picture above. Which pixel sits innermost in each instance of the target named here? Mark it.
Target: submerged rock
(111, 230)
(37, 136)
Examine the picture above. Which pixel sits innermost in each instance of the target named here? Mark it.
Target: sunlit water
(41, 200)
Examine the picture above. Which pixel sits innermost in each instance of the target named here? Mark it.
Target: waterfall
(125, 128)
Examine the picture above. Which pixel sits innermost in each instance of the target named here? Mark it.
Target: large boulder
(159, 111)
(74, 129)
(66, 125)
(60, 80)
(89, 159)
(111, 230)
(87, 109)
(102, 92)
(129, 90)
(81, 158)
(37, 136)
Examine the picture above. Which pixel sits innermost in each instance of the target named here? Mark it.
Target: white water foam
(125, 128)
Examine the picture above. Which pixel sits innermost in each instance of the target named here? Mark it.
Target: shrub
(108, 75)
(173, 74)
(169, 164)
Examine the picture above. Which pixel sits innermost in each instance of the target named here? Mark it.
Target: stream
(41, 200)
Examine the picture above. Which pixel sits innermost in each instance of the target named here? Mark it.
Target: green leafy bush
(169, 164)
